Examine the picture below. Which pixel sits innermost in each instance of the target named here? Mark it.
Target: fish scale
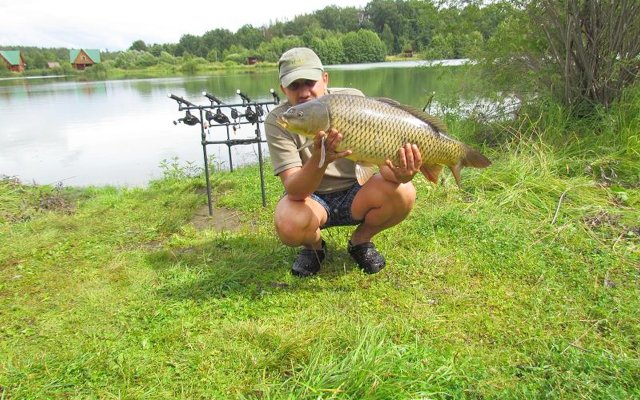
(377, 136)
(375, 129)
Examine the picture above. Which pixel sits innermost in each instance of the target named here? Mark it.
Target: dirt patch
(223, 219)
(23, 202)
(602, 218)
(58, 202)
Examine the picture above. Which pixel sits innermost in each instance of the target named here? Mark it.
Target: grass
(523, 285)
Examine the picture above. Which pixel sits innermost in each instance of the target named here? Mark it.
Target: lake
(118, 132)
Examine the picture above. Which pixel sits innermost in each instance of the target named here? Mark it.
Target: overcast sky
(115, 24)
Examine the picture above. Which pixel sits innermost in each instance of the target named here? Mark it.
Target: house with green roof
(13, 59)
(83, 58)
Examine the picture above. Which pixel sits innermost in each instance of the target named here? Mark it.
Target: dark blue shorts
(338, 206)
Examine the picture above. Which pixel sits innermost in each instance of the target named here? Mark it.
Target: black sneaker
(308, 261)
(367, 257)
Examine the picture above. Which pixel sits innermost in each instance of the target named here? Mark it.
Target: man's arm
(301, 182)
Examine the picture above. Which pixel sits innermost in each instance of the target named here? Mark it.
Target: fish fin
(323, 153)
(364, 172)
(455, 170)
(389, 101)
(304, 146)
(431, 172)
(473, 158)
(434, 122)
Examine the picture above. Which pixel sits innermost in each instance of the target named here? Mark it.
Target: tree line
(352, 35)
(338, 34)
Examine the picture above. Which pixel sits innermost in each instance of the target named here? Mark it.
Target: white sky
(115, 24)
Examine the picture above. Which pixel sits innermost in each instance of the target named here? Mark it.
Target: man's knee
(407, 195)
(383, 193)
(293, 222)
(291, 230)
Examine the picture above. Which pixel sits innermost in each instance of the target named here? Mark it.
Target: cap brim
(313, 74)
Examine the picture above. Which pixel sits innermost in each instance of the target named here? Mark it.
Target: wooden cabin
(13, 59)
(83, 58)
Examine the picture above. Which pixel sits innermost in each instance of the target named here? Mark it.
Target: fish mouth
(282, 121)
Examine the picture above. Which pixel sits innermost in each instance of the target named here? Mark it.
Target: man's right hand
(332, 140)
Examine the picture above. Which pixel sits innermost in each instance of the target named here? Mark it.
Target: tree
(219, 40)
(381, 12)
(300, 24)
(37, 61)
(139, 45)
(339, 19)
(155, 49)
(388, 39)
(212, 55)
(249, 37)
(188, 44)
(442, 47)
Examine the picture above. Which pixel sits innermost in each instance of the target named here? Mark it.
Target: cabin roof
(12, 56)
(93, 54)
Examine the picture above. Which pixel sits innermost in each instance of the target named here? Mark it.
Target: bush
(167, 58)
(145, 59)
(97, 71)
(236, 58)
(574, 49)
(190, 66)
(330, 50)
(363, 46)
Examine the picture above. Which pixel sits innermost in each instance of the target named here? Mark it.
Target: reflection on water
(118, 132)
(400, 64)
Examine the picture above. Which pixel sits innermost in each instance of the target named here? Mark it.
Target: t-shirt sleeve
(283, 149)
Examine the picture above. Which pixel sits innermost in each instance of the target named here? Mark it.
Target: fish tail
(473, 158)
(431, 172)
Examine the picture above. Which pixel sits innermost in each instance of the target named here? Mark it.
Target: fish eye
(300, 113)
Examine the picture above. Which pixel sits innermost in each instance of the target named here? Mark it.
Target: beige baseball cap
(299, 63)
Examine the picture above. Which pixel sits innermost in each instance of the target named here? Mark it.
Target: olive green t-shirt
(284, 145)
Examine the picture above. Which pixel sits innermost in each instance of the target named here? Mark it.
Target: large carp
(375, 129)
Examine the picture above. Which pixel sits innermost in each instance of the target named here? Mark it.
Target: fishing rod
(211, 116)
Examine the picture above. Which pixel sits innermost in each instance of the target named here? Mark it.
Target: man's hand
(331, 142)
(409, 165)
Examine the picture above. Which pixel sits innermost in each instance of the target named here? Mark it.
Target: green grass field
(523, 285)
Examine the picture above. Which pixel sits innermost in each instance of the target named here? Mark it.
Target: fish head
(306, 119)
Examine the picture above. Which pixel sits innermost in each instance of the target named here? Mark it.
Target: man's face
(303, 90)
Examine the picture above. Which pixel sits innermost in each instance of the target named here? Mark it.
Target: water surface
(118, 132)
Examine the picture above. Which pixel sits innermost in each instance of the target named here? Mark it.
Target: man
(318, 197)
